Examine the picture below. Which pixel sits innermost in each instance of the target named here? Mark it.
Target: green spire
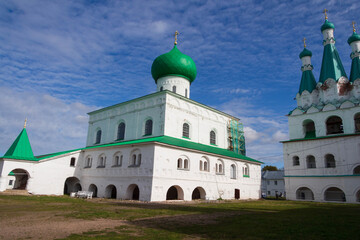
(21, 148)
(355, 69)
(308, 82)
(331, 66)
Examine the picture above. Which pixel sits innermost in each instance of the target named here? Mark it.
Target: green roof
(308, 82)
(305, 53)
(354, 37)
(21, 148)
(322, 137)
(327, 25)
(174, 63)
(160, 139)
(355, 69)
(331, 66)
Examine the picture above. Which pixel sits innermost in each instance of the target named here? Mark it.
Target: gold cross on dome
(353, 24)
(25, 122)
(304, 42)
(325, 11)
(176, 34)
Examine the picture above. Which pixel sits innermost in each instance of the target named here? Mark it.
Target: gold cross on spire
(176, 34)
(304, 42)
(25, 122)
(325, 11)
(353, 24)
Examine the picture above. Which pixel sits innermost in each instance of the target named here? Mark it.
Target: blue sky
(62, 59)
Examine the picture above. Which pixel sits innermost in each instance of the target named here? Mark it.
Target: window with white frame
(183, 163)
(212, 137)
(186, 130)
(148, 127)
(330, 161)
(88, 162)
(246, 172)
(233, 171)
(121, 131)
(101, 161)
(135, 158)
(219, 167)
(310, 161)
(98, 136)
(117, 161)
(204, 164)
(296, 161)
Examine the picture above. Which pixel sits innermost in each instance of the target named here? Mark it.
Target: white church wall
(200, 119)
(182, 85)
(133, 113)
(167, 174)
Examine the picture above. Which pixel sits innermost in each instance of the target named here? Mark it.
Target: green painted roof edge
(164, 92)
(308, 82)
(354, 175)
(331, 66)
(161, 139)
(322, 137)
(355, 69)
(21, 147)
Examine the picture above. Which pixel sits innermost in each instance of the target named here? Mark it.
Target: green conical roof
(327, 25)
(355, 69)
(308, 82)
(305, 53)
(354, 37)
(21, 148)
(331, 66)
(173, 63)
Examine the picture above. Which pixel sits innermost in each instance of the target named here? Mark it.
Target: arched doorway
(175, 193)
(304, 193)
(334, 194)
(198, 193)
(93, 189)
(110, 192)
(72, 184)
(133, 192)
(19, 178)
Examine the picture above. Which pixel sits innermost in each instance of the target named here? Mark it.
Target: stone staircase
(15, 192)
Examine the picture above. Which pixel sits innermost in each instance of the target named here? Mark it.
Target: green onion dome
(354, 37)
(174, 63)
(305, 53)
(327, 25)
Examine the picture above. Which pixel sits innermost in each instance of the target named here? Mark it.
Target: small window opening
(296, 161)
(357, 122)
(330, 161)
(309, 129)
(174, 89)
(310, 162)
(121, 131)
(212, 138)
(186, 130)
(334, 125)
(98, 137)
(148, 127)
(72, 162)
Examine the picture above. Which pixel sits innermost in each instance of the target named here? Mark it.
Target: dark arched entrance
(93, 189)
(175, 193)
(198, 193)
(133, 192)
(304, 193)
(72, 184)
(334, 194)
(21, 178)
(110, 192)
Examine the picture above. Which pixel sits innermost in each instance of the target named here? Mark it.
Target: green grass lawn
(263, 219)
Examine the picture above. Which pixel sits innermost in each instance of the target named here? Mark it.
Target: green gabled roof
(161, 139)
(21, 148)
(331, 66)
(308, 82)
(355, 69)
(354, 37)
(327, 25)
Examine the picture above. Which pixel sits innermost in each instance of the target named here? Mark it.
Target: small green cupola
(327, 24)
(308, 81)
(354, 42)
(174, 63)
(21, 148)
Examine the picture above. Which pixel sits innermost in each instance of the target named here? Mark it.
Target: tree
(270, 168)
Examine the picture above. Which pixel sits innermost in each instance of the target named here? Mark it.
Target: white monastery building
(162, 146)
(322, 157)
(272, 183)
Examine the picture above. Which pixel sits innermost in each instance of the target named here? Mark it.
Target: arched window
(206, 166)
(88, 162)
(296, 161)
(118, 157)
(310, 161)
(161, 88)
(148, 127)
(186, 92)
(357, 122)
(220, 167)
(330, 161)
(246, 172)
(186, 130)
(186, 164)
(98, 137)
(138, 160)
(309, 129)
(334, 125)
(357, 170)
(121, 131)
(201, 165)
(133, 160)
(72, 162)
(233, 171)
(179, 163)
(213, 138)
(101, 161)
(174, 89)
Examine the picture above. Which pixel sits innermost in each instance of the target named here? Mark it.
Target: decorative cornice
(354, 54)
(328, 41)
(307, 67)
